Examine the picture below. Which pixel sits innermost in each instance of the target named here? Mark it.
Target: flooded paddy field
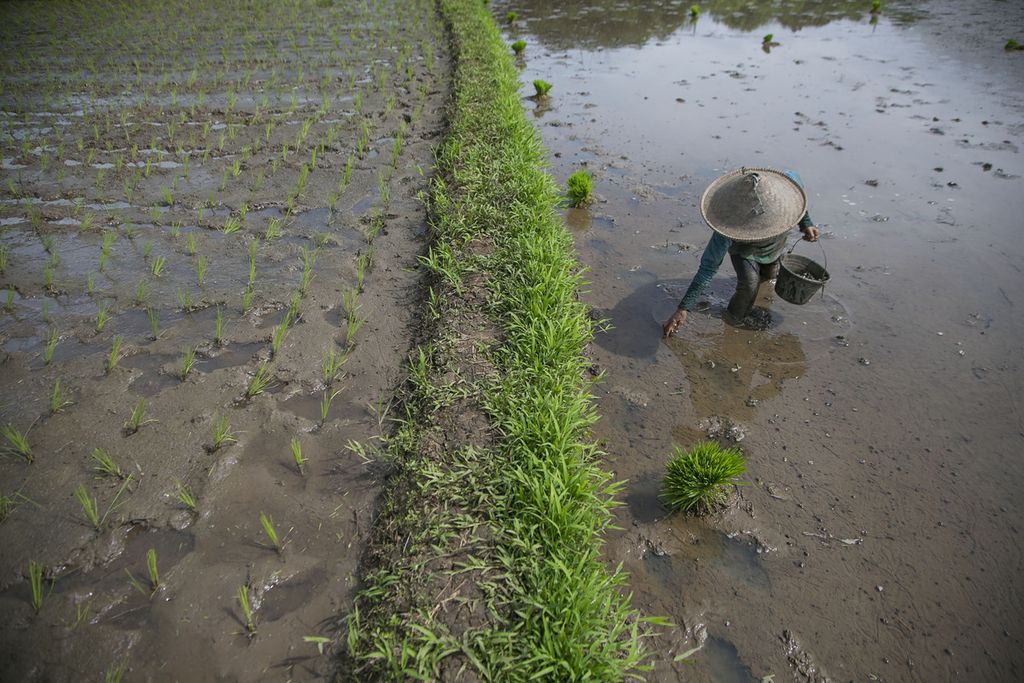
(878, 537)
(209, 227)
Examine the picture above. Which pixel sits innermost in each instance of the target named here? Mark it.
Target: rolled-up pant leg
(748, 278)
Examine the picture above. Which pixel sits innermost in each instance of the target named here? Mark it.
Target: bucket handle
(801, 239)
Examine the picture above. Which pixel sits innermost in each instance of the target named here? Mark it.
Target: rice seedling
(157, 266)
(518, 47)
(325, 403)
(115, 672)
(247, 299)
(58, 398)
(4, 256)
(190, 243)
(151, 570)
(331, 364)
(247, 615)
(308, 259)
(767, 40)
(362, 264)
(184, 496)
(271, 533)
(541, 87)
(35, 581)
(511, 17)
(231, 225)
(218, 328)
(137, 418)
(694, 11)
(141, 292)
(579, 188)
(90, 504)
(102, 316)
(115, 353)
(184, 299)
(876, 6)
(297, 457)
(167, 196)
(698, 479)
(105, 465)
(48, 278)
(273, 229)
(352, 325)
(17, 443)
(186, 362)
(222, 434)
(201, 264)
(52, 338)
(260, 380)
(277, 337)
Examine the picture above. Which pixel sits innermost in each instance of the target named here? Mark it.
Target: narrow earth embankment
(485, 561)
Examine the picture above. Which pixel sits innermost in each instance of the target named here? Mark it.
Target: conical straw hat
(753, 204)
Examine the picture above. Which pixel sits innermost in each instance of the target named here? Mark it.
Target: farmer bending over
(751, 212)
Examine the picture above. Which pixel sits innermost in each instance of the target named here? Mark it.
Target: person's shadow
(730, 370)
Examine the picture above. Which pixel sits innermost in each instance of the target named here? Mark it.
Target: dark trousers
(749, 276)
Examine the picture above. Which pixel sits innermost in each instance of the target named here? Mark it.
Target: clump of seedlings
(248, 617)
(260, 380)
(115, 353)
(186, 362)
(1012, 44)
(694, 11)
(17, 443)
(58, 398)
(90, 504)
(105, 465)
(36, 580)
(151, 573)
(137, 418)
(698, 480)
(184, 496)
(541, 87)
(579, 188)
(222, 434)
(518, 47)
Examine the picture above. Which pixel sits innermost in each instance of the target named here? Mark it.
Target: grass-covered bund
(485, 562)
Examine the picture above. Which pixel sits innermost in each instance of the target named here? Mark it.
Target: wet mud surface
(878, 535)
(256, 196)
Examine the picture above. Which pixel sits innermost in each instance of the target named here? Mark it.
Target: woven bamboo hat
(753, 204)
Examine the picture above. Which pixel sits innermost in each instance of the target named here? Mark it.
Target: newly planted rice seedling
(102, 316)
(184, 496)
(222, 434)
(300, 461)
(17, 443)
(231, 225)
(151, 571)
(157, 266)
(325, 403)
(218, 328)
(273, 229)
(278, 336)
(190, 242)
(141, 292)
(115, 353)
(201, 264)
(35, 581)
(271, 533)
(58, 398)
(90, 505)
(698, 479)
(52, 337)
(184, 299)
(247, 615)
(518, 46)
(105, 465)
(154, 324)
(541, 87)
(9, 301)
(331, 364)
(260, 380)
(186, 362)
(137, 417)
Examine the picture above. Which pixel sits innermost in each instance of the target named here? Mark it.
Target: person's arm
(808, 228)
(710, 261)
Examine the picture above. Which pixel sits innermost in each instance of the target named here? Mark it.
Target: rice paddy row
(486, 559)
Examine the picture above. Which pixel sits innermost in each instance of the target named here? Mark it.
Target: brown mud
(878, 537)
(91, 137)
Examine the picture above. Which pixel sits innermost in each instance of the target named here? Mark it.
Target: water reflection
(593, 24)
(731, 371)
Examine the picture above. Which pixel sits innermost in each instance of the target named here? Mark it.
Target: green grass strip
(552, 610)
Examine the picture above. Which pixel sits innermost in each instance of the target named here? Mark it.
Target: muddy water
(120, 155)
(879, 535)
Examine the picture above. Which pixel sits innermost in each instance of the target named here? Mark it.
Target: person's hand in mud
(811, 233)
(674, 323)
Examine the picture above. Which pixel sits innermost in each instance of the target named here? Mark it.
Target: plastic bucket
(799, 279)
